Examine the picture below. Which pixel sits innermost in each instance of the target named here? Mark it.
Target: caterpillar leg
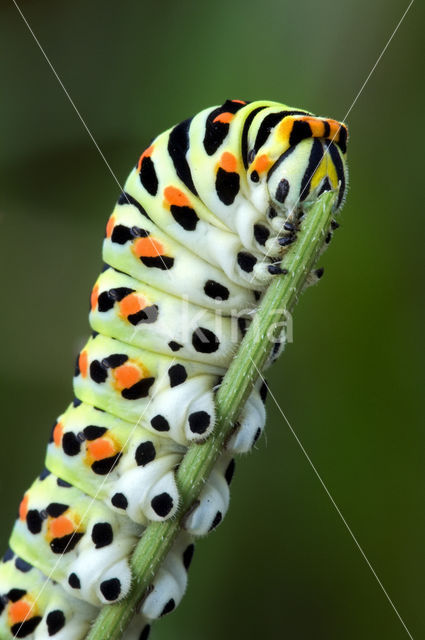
(251, 423)
(213, 501)
(170, 582)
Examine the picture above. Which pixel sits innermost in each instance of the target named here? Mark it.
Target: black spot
(257, 295)
(65, 544)
(246, 261)
(24, 629)
(105, 302)
(98, 372)
(257, 435)
(121, 234)
(319, 272)
(178, 146)
(76, 402)
(114, 360)
(138, 232)
(105, 465)
(55, 621)
(145, 453)
(300, 131)
(174, 346)
(2, 605)
(199, 421)
(170, 606)
(102, 534)
(264, 391)
(63, 483)
(217, 519)
(162, 504)
(148, 176)
(118, 293)
(275, 270)
(70, 444)
(282, 190)
(177, 374)
(159, 423)
(111, 589)
(144, 316)
(254, 176)
(334, 225)
(92, 432)
(228, 474)
(188, 556)
(245, 131)
(314, 160)
(126, 198)
(44, 474)
(145, 632)
(34, 521)
(23, 566)
(119, 501)
(204, 340)
(8, 555)
(227, 185)
(157, 262)
(216, 290)
(242, 324)
(74, 581)
(328, 237)
(15, 594)
(138, 390)
(56, 509)
(186, 217)
(261, 234)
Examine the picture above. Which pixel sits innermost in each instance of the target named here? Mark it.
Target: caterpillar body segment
(202, 226)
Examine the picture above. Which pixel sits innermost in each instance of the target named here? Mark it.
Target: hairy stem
(277, 302)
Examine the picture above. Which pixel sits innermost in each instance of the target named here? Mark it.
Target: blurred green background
(282, 565)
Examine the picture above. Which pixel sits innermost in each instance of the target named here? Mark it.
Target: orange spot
(228, 162)
(126, 375)
(239, 101)
(57, 434)
(94, 296)
(101, 448)
(132, 304)
(262, 163)
(110, 226)
(147, 248)
(23, 508)
(60, 527)
(83, 363)
(19, 611)
(146, 154)
(177, 197)
(224, 117)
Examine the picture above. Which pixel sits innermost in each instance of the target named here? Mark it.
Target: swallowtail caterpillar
(198, 233)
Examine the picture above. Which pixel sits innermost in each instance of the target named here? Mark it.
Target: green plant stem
(277, 302)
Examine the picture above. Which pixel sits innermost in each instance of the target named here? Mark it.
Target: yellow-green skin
(195, 238)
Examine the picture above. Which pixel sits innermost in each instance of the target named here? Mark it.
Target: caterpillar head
(303, 157)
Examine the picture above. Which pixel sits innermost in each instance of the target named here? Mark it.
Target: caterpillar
(199, 231)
